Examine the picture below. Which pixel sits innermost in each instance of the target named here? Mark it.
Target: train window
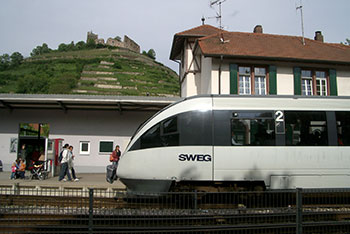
(306, 128)
(151, 138)
(253, 132)
(170, 134)
(343, 126)
(170, 125)
(195, 128)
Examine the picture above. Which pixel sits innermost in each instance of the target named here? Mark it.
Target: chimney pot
(258, 29)
(319, 36)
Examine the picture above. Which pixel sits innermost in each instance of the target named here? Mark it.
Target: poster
(13, 145)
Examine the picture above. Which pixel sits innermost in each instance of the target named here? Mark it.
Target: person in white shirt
(71, 163)
(64, 164)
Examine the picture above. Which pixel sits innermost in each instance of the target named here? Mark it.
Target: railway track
(265, 212)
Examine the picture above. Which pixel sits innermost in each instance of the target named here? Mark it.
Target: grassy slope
(128, 73)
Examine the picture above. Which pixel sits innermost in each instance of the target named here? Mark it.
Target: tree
(70, 47)
(118, 38)
(45, 49)
(152, 54)
(80, 45)
(91, 44)
(16, 58)
(62, 47)
(36, 51)
(4, 61)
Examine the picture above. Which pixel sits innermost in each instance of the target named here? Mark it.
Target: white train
(242, 141)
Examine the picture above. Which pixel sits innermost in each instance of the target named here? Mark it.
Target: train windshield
(188, 128)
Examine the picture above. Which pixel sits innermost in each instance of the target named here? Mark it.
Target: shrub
(117, 65)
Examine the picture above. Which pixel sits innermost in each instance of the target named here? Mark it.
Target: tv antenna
(300, 7)
(218, 16)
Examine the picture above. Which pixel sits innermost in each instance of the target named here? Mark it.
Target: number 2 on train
(279, 122)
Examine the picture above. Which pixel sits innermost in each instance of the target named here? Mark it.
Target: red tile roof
(197, 32)
(260, 46)
(278, 47)
(201, 31)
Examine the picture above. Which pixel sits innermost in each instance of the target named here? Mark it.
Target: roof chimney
(318, 36)
(258, 29)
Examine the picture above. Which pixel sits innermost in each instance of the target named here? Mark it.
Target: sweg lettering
(195, 157)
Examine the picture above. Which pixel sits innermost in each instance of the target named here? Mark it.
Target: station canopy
(84, 102)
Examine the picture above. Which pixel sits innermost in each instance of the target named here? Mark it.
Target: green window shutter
(333, 82)
(233, 79)
(273, 80)
(297, 81)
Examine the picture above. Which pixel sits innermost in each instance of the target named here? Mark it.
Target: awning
(84, 102)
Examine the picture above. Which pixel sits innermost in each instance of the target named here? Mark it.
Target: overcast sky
(25, 24)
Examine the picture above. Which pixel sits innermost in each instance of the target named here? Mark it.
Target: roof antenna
(302, 19)
(218, 14)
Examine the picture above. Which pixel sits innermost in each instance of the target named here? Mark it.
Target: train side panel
(284, 167)
(155, 169)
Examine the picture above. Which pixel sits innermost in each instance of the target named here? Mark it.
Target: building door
(32, 142)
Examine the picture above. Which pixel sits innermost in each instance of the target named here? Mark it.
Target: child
(13, 170)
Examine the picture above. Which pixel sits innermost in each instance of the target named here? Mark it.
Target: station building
(93, 125)
(215, 61)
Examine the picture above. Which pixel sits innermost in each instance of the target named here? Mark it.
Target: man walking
(64, 157)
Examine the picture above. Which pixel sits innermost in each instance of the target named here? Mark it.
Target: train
(232, 142)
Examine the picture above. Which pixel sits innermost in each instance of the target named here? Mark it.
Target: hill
(116, 71)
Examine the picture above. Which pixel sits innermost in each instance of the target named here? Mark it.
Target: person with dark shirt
(116, 155)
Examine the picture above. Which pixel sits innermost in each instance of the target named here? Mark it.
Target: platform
(86, 180)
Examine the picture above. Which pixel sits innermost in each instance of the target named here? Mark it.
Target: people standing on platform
(64, 158)
(24, 154)
(14, 168)
(115, 155)
(112, 169)
(21, 168)
(71, 163)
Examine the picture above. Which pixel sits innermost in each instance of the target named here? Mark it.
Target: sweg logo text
(195, 157)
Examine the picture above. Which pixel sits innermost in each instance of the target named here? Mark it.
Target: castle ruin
(128, 43)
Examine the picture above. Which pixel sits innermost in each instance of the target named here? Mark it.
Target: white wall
(73, 127)
(343, 83)
(285, 81)
(206, 72)
(225, 78)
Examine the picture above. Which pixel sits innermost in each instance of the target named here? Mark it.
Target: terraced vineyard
(98, 71)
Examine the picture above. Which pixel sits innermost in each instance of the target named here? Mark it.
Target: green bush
(32, 84)
(117, 65)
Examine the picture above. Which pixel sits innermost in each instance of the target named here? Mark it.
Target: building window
(244, 80)
(106, 147)
(260, 81)
(84, 147)
(321, 83)
(252, 80)
(314, 83)
(306, 82)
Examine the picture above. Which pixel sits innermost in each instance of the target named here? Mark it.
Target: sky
(25, 24)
